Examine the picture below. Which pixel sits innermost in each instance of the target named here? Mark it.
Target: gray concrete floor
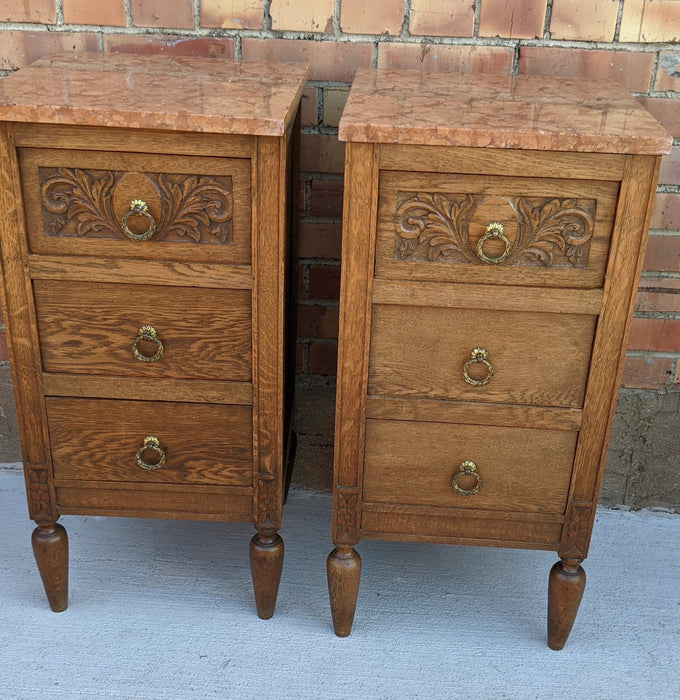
(164, 610)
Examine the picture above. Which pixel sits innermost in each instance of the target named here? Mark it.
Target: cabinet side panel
(269, 229)
(623, 273)
(358, 255)
(22, 337)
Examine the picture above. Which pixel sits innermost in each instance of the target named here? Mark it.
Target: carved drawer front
(144, 330)
(468, 466)
(495, 230)
(150, 442)
(137, 205)
(539, 359)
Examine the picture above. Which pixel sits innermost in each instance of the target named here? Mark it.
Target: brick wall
(633, 42)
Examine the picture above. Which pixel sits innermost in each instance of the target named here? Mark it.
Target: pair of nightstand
(492, 240)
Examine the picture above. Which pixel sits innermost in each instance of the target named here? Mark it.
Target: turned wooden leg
(266, 562)
(50, 547)
(565, 590)
(344, 571)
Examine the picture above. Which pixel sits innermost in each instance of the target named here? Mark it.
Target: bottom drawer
(519, 469)
(104, 440)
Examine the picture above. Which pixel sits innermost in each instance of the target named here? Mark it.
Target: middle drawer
(144, 330)
(520, 357)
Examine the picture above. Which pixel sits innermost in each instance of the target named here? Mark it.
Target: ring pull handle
(149, 334)
(138, 208)
(150, 443)
(467, 468)
(478, 355)
(495, 231)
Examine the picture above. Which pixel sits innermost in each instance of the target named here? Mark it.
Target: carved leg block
(50, 547)
(343, 568)
(565, 589)
(266, 562)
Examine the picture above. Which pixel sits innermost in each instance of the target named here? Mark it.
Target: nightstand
(493, 234)
(148, 260)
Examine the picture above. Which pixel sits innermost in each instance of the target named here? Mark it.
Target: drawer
(83, 203)
(102, 440)
(519, 469)
(494, 230)
(538, 359)
(90, 328)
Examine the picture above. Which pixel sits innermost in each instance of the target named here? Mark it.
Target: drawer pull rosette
(151, 444)
(138, 208)
(148, 334)
(494, 231)
(478, 355)
(467, 468)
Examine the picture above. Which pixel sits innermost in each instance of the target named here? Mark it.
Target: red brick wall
(633, 42)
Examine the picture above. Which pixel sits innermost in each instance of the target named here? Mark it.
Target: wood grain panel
(89, 328)
(473, 413)
(538, 359)
(522, 469)
(149, 389)
(558, 230)
(463, 527)
(157, 272)
(86, 218)
(489, 296)
(94, 138)
(132, 501)
(97, 439)
(501, 161)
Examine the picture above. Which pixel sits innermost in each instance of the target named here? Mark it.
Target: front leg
(50, 547)
(565, 590)
(343, 568)
(266, 562)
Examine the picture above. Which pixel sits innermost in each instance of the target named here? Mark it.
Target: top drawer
(494, 230)
(137, 205)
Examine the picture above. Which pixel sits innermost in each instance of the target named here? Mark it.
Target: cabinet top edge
(180, 93)
(498, 111)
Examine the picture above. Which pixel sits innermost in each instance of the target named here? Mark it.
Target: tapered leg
(266, 562)
(565, 590)
(344, 571)
(50, 547)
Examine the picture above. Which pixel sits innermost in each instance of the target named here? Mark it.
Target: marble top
(155, 92)
(498, 111)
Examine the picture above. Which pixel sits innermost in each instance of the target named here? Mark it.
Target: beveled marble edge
(445, 109)
(207, 95)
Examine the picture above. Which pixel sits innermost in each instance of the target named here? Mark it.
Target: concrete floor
(163, 610)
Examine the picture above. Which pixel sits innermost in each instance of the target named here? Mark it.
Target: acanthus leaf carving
(39, 501)
(434, 227)
(197, 207)
(576, 531)
(437, 222)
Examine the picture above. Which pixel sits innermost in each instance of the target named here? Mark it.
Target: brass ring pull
(478, 355)
(150, 443)
(149, 334)
(138, 208)
(467, 468)
(495, 231)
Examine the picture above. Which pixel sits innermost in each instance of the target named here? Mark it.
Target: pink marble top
(498, 111)
(155, 92)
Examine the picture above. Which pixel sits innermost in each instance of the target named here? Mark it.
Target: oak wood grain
(495, 200)
(501, 161)
(98, 440)
(521, 469)
(94, 138)
(50, 235)
(149, 389)
(537, 359)
(158, 272)
(89, 328)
